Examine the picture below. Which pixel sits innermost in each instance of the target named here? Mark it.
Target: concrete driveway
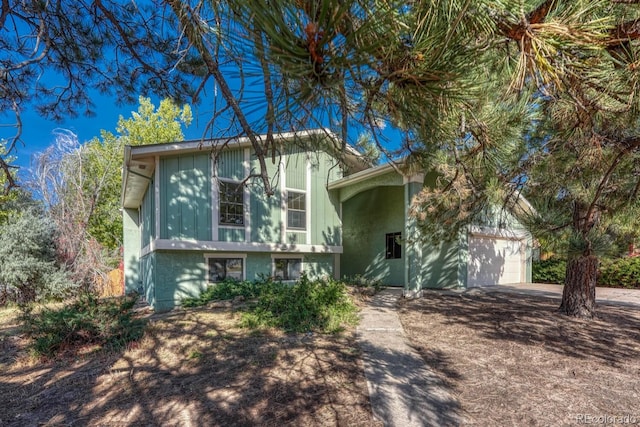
(615, 296)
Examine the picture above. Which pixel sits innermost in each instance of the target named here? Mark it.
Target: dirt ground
(513, 360)
(192, 368)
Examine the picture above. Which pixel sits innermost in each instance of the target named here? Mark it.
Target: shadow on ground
(534, 320)
(404, 390)
(196, 368)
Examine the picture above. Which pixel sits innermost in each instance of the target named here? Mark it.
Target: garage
(495, 260)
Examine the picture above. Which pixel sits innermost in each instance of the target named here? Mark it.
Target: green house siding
(296, 169)
(148, 210)
(231, 234)
(318, 265)
(326, 224)
(185, 197)
(266, 221)
(171, 276)
(440, 265)
(131, 246)
(230, 164)
(179, 274)
(367, 218)
(148, 277)
(296, 238)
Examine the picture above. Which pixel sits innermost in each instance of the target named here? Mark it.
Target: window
(394, 248)
(296, 210)
(231, 203)
(225, 268)
(287, 268)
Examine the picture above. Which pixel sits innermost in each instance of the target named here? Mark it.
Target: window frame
(288, 257)
(240, 190)
(296, 210)
(393, 251)
(217, 256)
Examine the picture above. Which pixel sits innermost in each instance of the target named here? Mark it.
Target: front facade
(195, 216)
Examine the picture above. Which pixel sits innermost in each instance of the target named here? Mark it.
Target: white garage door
(495, 261)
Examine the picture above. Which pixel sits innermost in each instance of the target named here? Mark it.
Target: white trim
(198, 245)
(156, 195)
(286, 256)
(361, 176)
(243, 257)
(307, 202)
(229, 143)
(247, 196)
(283, 201)
(146, 250)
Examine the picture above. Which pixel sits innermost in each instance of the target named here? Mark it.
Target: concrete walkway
(403, 390)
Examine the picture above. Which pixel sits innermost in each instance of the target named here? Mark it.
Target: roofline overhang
(364, 175)
(352, 157)
(235, 142)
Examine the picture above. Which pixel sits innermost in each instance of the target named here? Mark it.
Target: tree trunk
(579, 294)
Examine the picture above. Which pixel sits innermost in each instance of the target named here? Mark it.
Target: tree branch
(188, 19)
(629, 145)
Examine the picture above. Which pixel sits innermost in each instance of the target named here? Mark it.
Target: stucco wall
(367, 218)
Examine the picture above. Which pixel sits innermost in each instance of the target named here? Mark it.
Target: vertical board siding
(296, 169)
(147, 277)
(231, 234)
(230, 164)
(131, 241)
(148, 216)
(185, 197)
(326, 226)
(265, 211)
(265, 216)
(295, 238)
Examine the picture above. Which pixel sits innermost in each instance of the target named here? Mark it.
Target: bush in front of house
(620, 273)
(305, 306)
(108, 323)
(550, 270)
(223, 291)
(363, 284)
(614, 273)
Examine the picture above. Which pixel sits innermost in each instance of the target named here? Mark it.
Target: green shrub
(321, 306)
(620, 273)
(226, 290)
(550, 270)
(363, 283)
(109, 323)
(28, 268)
(615, 273)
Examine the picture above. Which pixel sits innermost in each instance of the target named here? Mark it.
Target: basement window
(287, 268)
(221, 269)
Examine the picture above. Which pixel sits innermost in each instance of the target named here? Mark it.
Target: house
(192, 217)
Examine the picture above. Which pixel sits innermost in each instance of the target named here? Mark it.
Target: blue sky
(38, 133)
